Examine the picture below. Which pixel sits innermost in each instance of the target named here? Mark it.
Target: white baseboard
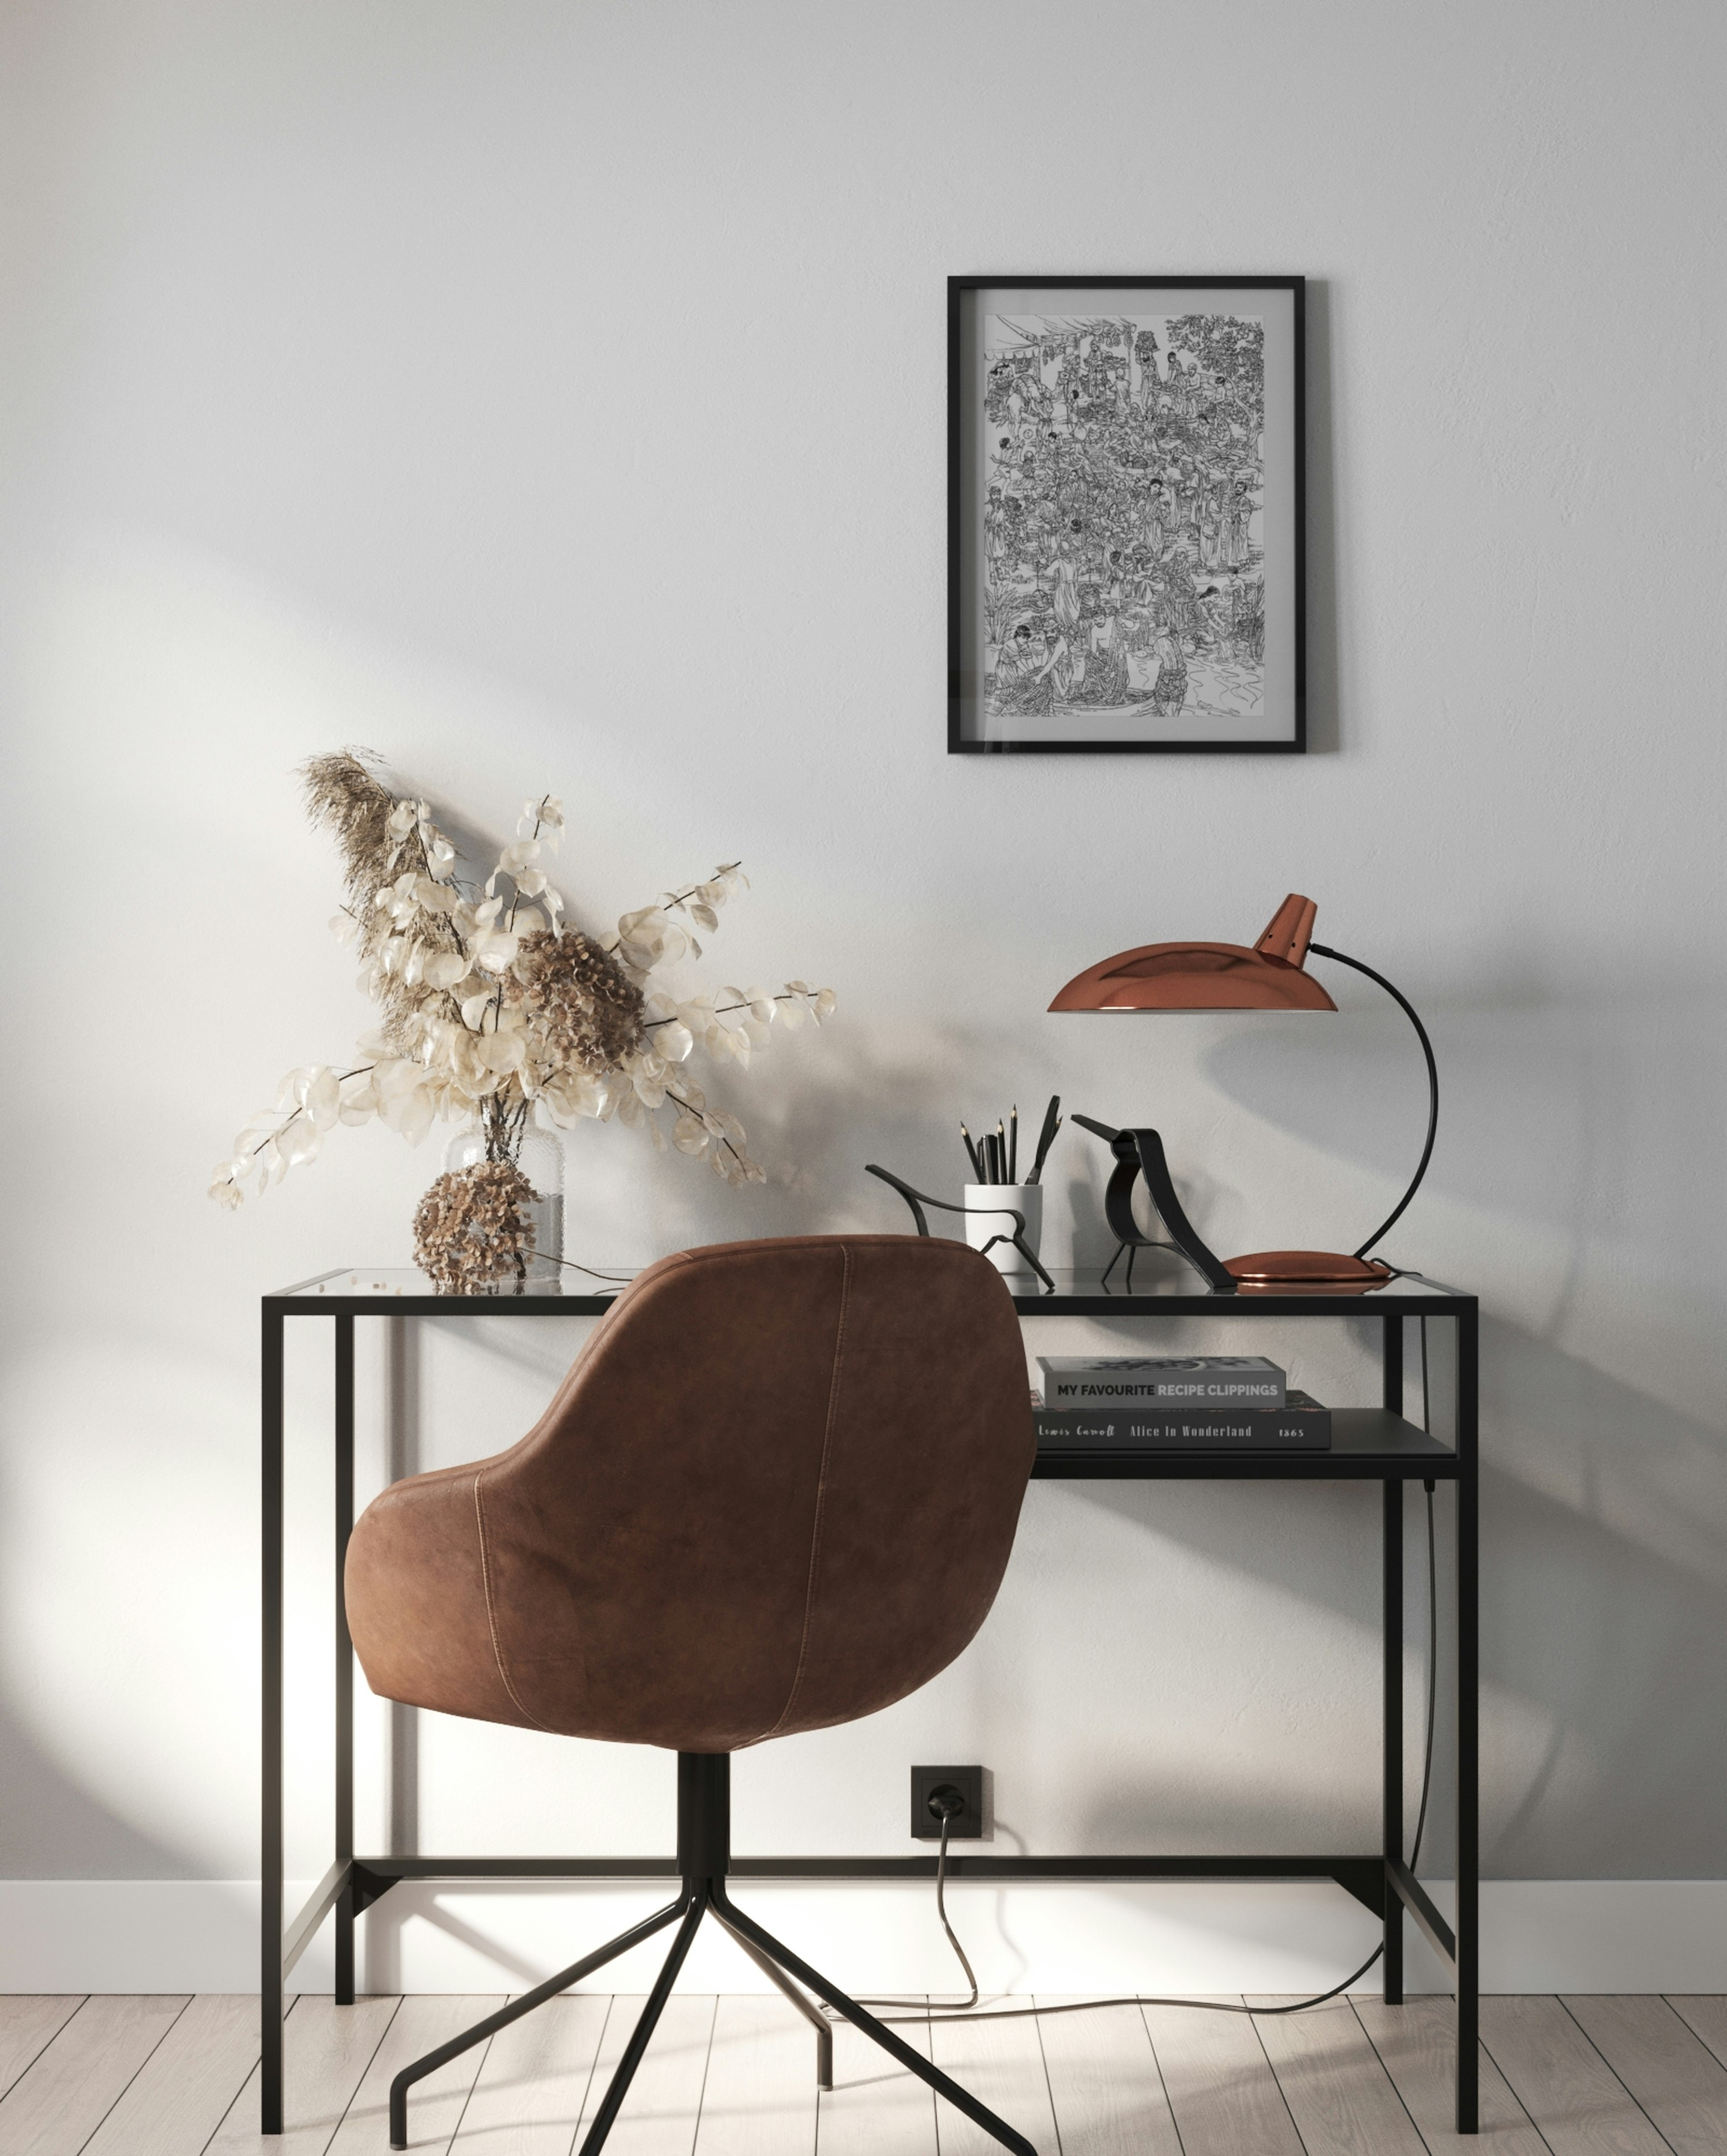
(1537, 1935)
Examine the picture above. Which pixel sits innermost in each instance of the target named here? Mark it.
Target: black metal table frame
(1381, 1881)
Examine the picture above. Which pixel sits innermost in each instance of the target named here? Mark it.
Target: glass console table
(1371, 1444)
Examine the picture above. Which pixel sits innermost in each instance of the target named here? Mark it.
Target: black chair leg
(782, 1983)
(997, 2128)
(644, 2030)
(526, 2004)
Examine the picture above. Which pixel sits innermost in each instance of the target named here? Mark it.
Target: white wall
(554, 397)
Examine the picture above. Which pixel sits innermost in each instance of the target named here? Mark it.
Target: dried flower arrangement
(490, 1008)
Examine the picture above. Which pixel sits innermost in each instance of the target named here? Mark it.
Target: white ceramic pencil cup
(983, 1220)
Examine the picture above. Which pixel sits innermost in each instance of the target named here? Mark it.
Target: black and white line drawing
(1123, 522)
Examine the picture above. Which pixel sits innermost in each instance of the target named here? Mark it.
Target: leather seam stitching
(815, 1562)
(485, 1576)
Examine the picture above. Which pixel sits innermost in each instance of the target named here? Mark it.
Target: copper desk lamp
(1214, 977)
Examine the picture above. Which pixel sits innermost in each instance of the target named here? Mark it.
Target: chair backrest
(777, 1490)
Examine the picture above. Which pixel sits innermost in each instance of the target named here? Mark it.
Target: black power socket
(958, 1792)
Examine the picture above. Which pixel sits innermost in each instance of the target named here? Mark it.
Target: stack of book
(1176, 1403)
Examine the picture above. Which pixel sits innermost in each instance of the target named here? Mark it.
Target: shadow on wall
(54, 1829)
(1324, 685)
(1604, 1508)
(1604, 1599)
(830, 1105)
(1582, 1117)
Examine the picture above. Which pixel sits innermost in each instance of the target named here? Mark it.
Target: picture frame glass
(1125, 478)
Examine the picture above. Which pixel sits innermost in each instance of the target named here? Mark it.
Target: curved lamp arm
(1324, 951)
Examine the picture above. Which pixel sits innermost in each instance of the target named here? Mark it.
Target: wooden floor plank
(664, 2101)
(1587, 2076)
(29, 2021)
(1104, 2084)
(1221, 2086)
(1416, 2044)
(59, 2101)
(435, 2105)
(1672, 2074)
(182, 2092)
(1704, 2013)
(1343, 2101)
(528, 2095)
(1001, 2064)
(1562, 2081)
(875, 2107)
(326, 2049)
(760, 2099)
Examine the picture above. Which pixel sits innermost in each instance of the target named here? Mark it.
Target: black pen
(1013, 1144)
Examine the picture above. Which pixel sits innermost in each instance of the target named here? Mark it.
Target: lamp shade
(1207, 977)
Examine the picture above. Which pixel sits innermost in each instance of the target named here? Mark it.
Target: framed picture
(1125, 515)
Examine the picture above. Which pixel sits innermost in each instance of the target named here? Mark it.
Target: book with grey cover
(1121, 1381)
(1301, 1424)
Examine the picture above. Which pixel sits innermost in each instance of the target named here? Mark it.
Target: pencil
(971, 1154)
(1013, 1144)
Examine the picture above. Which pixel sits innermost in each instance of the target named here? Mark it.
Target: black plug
(950, 1797)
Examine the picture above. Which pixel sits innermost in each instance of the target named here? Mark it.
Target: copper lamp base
(1299, 1269)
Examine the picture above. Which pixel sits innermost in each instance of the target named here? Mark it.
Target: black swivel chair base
(704, 1857)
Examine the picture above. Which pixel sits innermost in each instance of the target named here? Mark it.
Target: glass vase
(540, 1156)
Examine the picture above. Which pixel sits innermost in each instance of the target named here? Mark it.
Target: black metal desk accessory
(917, 1199)
(1141, 1153)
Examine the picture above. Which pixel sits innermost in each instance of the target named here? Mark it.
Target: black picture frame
(977, 723)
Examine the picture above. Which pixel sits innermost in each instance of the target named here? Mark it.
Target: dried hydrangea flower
(473, 1226)
(582, 1003)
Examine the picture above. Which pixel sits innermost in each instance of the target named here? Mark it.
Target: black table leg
(269, 1987)
(1391, 1623)
(344, 1658)
(1391, 1837)
(1468, 1673)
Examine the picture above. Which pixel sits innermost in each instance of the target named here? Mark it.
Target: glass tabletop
(381, 1283)
(1162, 1282)
(1083, 1291)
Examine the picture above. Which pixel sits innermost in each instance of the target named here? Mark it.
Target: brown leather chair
(777, 1490)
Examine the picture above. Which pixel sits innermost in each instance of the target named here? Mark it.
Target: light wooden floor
(734, 2077)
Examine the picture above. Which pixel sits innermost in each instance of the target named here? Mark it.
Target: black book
(1300, 1425)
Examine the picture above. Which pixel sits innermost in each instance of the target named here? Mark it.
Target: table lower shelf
(1368, 1444)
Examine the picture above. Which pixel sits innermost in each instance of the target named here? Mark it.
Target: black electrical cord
(944, 1813)
(1426, 1778)
(968, 2009)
